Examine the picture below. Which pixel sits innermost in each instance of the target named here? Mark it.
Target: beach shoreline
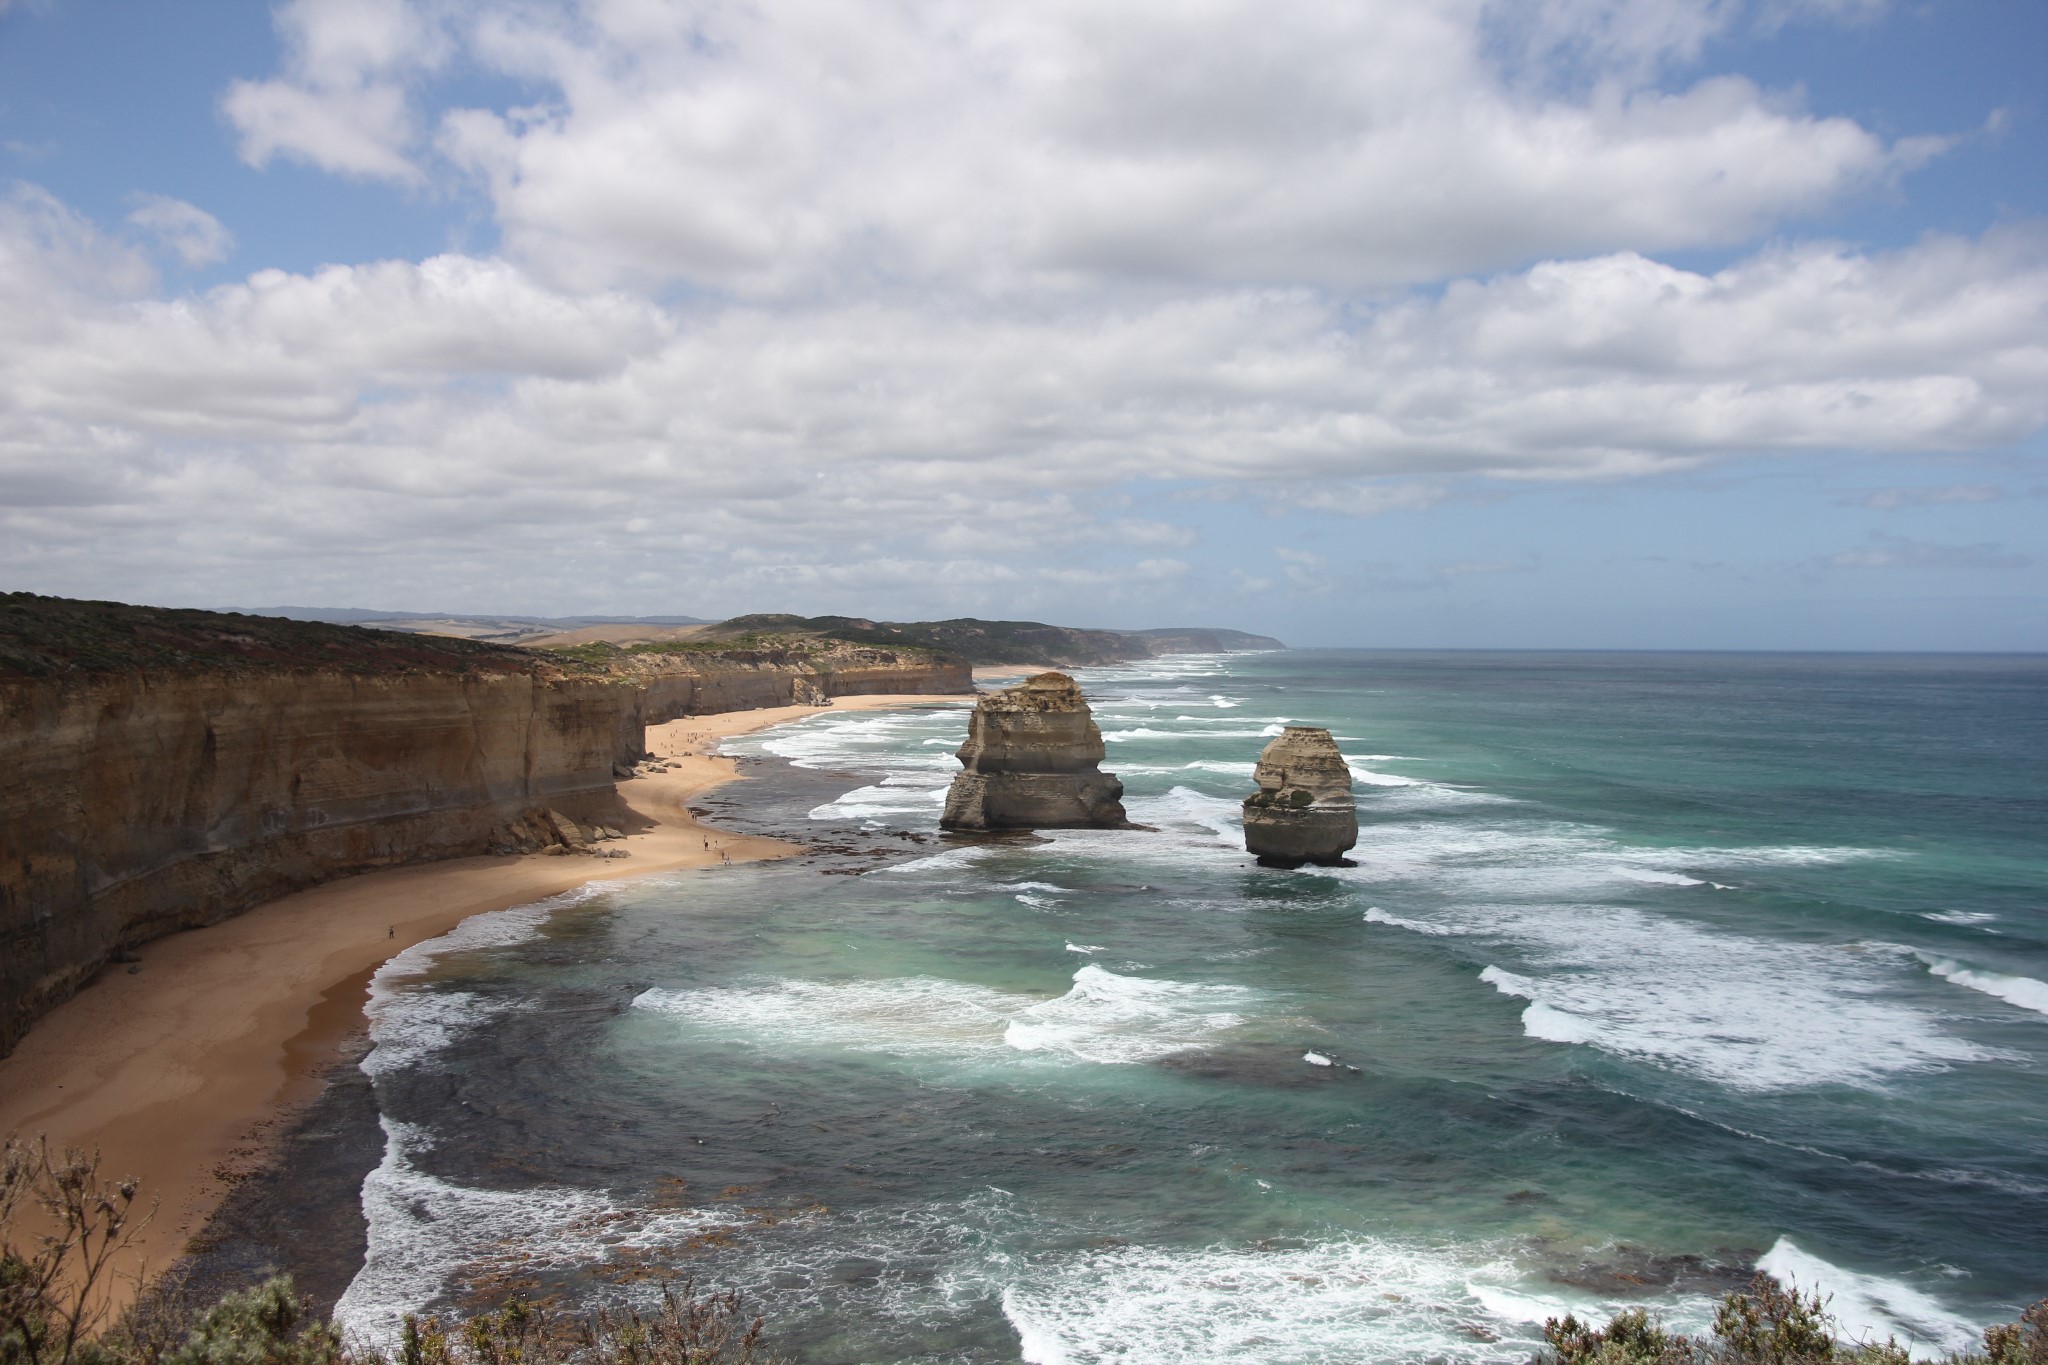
(183, 1071)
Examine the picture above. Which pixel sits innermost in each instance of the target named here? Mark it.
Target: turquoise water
(1654, 969)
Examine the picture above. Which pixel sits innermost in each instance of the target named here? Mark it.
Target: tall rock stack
(1302, 811)
(1031, 760)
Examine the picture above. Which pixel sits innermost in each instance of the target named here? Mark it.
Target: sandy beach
(178, 1072)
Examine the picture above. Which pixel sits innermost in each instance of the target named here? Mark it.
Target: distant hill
(504, 630)
(964, 637)
(52, 637)
(1203, 640)
(992, 642)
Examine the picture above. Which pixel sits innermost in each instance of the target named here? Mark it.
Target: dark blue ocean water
(1654, 969)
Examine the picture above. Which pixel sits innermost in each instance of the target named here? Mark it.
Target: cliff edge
(166, 769)
(163, 769)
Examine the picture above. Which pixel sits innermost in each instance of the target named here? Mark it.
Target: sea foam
(1551, 859)
(1342, 1299)
(1105, 1018)
(425, 1232)
(1871, 1308)
(421, 1229)
(1742, 1012)
(2023, 991)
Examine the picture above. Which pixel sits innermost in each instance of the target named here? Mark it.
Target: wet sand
(181, 1072)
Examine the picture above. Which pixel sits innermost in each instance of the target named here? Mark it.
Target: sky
(1694, 324)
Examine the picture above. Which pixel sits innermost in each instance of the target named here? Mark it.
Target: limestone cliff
(165, 769)
(989, 642)
(675, 681)
(1303, 810)
(1031, 761)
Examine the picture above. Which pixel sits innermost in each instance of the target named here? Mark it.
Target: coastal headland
(178, 1072)
(310, 798)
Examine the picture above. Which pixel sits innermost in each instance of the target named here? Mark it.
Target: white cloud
(1354, 499)
(459, 412)
(1889, 499)
(342, 103)
(1303, 569)
(1886, 551)
(1641, 36)
(1466, 568)
(51, 255)
(196, 236)
(793, 144)
(772, 148)
(808, 301)
(1140, 531)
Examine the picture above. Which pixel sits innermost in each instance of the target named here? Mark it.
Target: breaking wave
(1104, 1018)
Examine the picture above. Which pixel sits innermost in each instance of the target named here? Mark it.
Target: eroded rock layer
(694, 683)
(1031, 761)
(161, 769)
(136, 805)
(1303, 811)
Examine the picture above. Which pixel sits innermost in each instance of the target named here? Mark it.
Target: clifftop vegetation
(53, 1291)
(51, 637)
(48, 637)
(992, 642)
(1772, 1324)
(753, 647)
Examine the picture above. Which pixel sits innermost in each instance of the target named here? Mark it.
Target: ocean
(1655, 969)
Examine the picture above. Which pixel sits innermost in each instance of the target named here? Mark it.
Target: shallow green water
(1653, 968)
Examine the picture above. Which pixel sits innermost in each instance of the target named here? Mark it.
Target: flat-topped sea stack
(1302, 811)
(1032, 761)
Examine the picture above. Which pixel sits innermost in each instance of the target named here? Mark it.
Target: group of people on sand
(691, 743)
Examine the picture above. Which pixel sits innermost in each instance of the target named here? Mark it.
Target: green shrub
(2019, 1343)
(1630, 1338)
(53, 1289)
(1771, 1324)
(257, 1327)
(53, 1292)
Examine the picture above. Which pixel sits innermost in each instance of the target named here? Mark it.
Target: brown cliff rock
(1031, 761)
(135, 805)
(696, 682)
(163, 769)
(1302, 811)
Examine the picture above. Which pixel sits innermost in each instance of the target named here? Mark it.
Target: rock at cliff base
(545, 830)
(1302, 811)
(1031, 761)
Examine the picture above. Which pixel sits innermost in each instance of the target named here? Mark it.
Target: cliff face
(1303, 811)
(993, 642)
(1031, 761)
(164, 769)
(701, 682)
(133, 805)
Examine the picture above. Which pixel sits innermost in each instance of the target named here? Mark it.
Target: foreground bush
(54, 1290)
(1772, 1325)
